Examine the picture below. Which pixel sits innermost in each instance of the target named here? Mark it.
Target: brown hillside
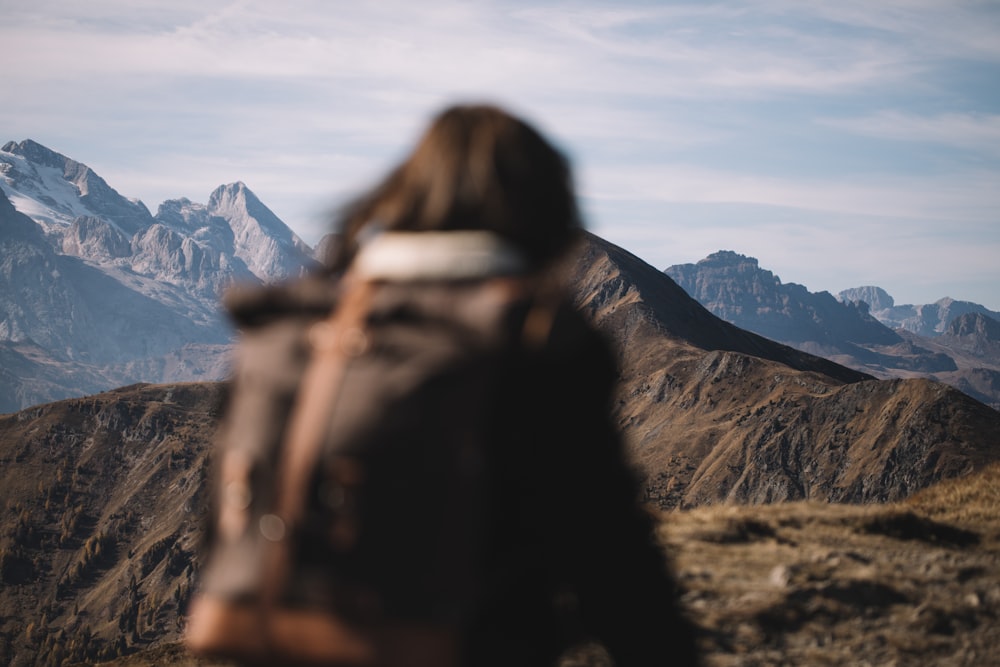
(636, 303)
(714, 413)
(101, 498)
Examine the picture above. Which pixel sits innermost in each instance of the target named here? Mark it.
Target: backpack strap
(543, 302)
(334, 341)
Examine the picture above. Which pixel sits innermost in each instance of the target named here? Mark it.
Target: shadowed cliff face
(738, 290)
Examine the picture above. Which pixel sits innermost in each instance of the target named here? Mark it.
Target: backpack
(349, 501)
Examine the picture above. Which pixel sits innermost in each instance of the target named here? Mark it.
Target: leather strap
(334, 341)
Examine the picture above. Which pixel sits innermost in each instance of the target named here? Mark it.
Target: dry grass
(971, 501)
(914, 583)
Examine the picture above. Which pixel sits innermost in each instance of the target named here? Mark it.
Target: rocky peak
(95, 292)
(975, 324)
(181, 214)
(93, 237)
(716, 277)
(876, 297)
(728, 259)
(735, 288)
(237, 198)
(238, 204)
(36, 153)
(933, 319)
(63, 189)
(268, 247)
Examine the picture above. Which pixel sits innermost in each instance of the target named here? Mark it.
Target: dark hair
(475, 167)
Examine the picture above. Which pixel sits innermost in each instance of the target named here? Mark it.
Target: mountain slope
(848, 331)
(104, 497)
(268, 247)
(82, 325)
(620, 292)
(716, 413)
(913, 583)
(55, 190)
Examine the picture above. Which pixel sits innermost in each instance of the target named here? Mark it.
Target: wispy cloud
(978, 132)
(968, 197)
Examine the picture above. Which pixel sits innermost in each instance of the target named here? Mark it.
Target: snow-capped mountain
(267, 246)
(95, 292)
(54, 190)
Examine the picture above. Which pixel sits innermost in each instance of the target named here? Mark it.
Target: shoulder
(559, 336)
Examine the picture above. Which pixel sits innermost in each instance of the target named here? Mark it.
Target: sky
(841, 144)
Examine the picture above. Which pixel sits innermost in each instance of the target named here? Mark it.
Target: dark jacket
(496, 493)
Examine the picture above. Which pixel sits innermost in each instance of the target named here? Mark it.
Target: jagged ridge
(95, 292)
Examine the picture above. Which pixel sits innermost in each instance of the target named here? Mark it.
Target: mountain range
(96, 292)
(105, 493)
(956, 342)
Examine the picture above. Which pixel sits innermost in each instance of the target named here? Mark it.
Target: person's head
(476, 167)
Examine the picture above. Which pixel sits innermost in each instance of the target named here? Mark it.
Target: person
(473, 477)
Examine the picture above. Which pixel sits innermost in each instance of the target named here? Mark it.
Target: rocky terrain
(96, 292)
(104, 494)
(716, 413)
(927, 320)
(956, 342)
(102, 514)
(911, 583)
(104, 499)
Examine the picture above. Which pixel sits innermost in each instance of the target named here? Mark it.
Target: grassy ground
(913, 583)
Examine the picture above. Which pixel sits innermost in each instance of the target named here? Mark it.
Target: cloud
(718, 50)
(680, 51)
(967, 197)
(979, 132)
(935, 28)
